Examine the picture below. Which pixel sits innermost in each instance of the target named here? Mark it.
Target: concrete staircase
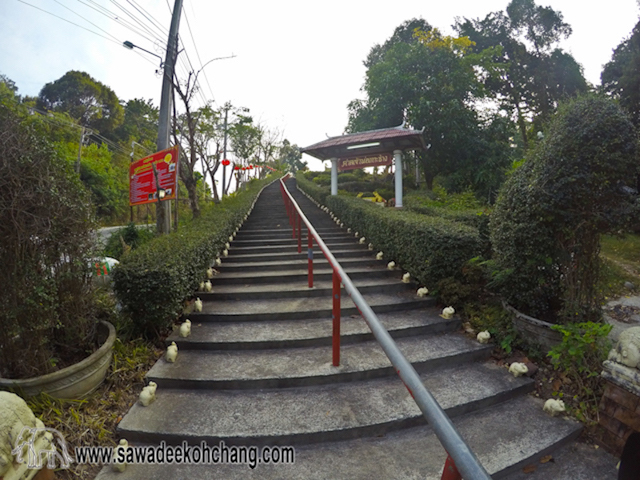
(257, 370)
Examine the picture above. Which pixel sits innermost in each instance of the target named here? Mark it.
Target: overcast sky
(298, 63)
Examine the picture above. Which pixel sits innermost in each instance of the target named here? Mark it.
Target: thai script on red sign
(142, 180)
(351, 163)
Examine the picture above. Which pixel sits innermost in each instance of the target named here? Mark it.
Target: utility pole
(163, 209)
(224, 150)
(80, 152)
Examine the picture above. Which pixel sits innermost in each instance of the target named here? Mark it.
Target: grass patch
(624, 249)
(620, 263)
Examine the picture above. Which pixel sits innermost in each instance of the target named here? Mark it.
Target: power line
(113, 16)
(139, 22)
(197, 52)
(69, 21)
(189, 68)
(62, 123)
(148, 16)
(86, 20)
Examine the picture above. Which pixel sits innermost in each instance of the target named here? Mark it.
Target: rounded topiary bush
(551, 212)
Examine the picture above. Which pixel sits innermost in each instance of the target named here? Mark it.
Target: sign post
(154, 178)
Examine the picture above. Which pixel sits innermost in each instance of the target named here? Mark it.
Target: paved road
(105, 233)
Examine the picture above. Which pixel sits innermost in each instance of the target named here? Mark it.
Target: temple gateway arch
(368, 149)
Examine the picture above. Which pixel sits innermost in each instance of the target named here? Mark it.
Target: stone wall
(619, 410)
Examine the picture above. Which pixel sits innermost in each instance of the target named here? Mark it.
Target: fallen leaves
(532, 468)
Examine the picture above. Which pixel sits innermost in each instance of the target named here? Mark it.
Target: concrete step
(574, 461)
(335, 236)
(251, 231)
(321, 288)
(310, 333)
(291, 264)
(347, 251)
(304, 308)
(290, 247)
(295, 367)
(300, 274)
(505, 437)
(256, 235)
(314, 414)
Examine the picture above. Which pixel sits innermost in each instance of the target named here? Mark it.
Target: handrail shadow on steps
(461, 462)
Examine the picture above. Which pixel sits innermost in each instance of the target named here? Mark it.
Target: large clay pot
(74, 381)
(534, 330)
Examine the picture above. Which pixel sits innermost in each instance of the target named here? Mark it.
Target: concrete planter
(75, 381)
(535, 331)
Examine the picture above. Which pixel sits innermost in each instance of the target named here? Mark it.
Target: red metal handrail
(460, 458)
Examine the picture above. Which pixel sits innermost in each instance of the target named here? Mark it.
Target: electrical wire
(190, 68)
(86, 20)
(61, 123)
(109, 142)
(197, 52)
(148, 16)
(113, 16)
(69, 21)
(142, 25)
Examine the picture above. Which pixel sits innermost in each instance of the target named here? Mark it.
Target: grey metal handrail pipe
(464, 458)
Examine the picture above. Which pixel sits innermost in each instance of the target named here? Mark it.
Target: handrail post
(299, 234)
(336, 318)
(293, 222)
(450, 471)
(310, 256)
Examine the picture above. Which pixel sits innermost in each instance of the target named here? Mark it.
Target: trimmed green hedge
(153, 281)
(473, 217)
(431, 248)
(320, 194)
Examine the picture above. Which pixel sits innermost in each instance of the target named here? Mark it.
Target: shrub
(367, 186)
(346, 177)
(153, 281)
(131, 235)
(320, 194)
(546, 226)
(580, 355)
(45, 227)
(322, 179)
(471, 214)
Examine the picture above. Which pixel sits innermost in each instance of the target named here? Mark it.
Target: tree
(428, 81)
(529, 75)
(109, 189)
(186, 125)
(140, 123)
(551, 212)
(8, 85)
(88, 101)
(291, 156)
(210, 130)
(245, 138)
(268, 143)
(45, 226)
(621, 76)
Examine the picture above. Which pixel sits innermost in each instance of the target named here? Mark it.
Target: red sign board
(351, 163)
(142, 181)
